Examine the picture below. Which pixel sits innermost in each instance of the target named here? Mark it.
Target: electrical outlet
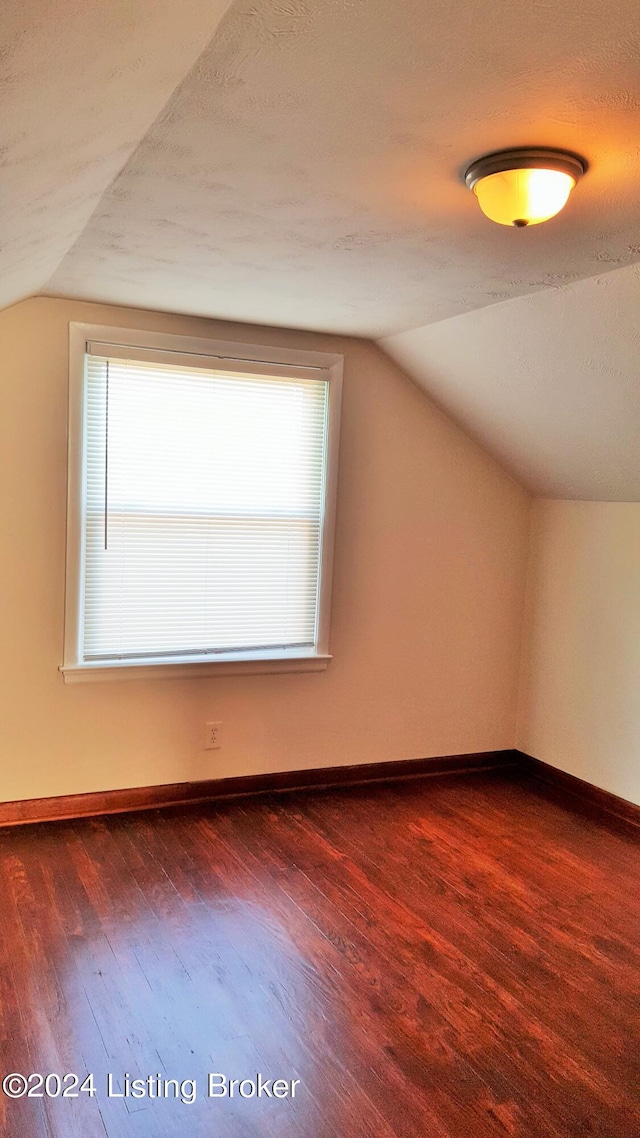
(212, 736)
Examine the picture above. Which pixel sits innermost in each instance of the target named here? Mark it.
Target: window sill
(248, 665)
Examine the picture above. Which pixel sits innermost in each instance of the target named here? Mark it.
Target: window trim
(240, 357)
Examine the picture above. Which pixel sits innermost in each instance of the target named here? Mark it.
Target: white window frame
(240, 357)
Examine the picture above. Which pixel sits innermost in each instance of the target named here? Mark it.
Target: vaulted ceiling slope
(297, 163)
(304, 169)
(82, 82)
(549, 383)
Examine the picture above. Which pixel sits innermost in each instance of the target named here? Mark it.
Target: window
(201, 499)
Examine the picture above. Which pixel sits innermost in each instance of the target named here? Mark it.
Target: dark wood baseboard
(182, 793)
(594, 801)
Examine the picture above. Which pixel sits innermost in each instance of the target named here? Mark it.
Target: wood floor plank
(409, 1031)
(540, 1013)
(524, 998)
(457, 958)
(480, 906)
(441, 1021)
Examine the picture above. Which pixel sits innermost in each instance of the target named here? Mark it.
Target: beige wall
(428, 589)
(580, 695)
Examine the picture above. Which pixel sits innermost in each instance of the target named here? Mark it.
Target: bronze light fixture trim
(525, 186)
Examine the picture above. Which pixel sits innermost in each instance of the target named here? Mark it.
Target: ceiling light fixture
(524, 187)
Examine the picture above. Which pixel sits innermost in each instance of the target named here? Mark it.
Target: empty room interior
(320, 680)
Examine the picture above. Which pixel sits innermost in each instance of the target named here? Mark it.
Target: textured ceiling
(305, 172)
(550, 383)
(296, 162)
(81, 84)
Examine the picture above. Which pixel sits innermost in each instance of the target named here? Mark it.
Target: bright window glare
(207, 489)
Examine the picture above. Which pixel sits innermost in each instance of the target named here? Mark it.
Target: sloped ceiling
(297, 162)
(550, 383)
(81, 84)
(305, 171)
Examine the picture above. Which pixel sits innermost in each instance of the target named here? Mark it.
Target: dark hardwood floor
(450, 958)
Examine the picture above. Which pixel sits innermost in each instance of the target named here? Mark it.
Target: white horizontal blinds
(203, 510)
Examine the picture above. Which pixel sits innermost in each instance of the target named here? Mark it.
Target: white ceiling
(296, 162)
(305, 172)
(81, 84)
(550, 383)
